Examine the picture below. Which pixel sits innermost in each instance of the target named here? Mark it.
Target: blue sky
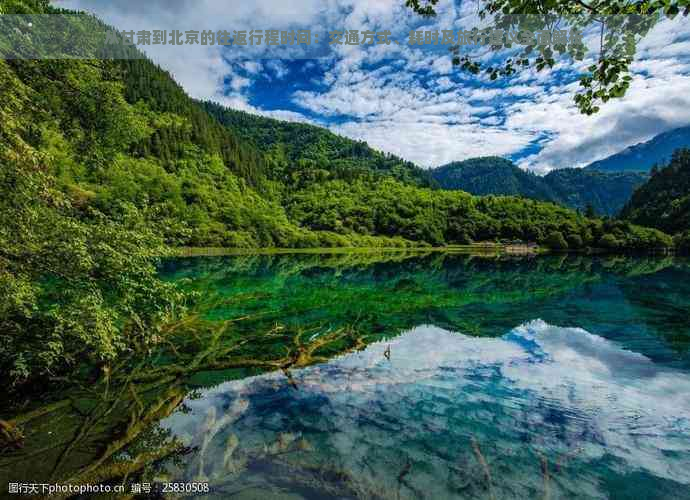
(408, 101)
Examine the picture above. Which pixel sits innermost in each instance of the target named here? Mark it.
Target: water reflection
(541, 411)
(279, 385)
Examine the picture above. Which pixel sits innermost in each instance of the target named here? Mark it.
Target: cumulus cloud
(393, 106)
(430, 144)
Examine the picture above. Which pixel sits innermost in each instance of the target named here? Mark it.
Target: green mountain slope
(110, 148)
(491, 175)
(302, 152)
(392, 208)
(144, 81)
(107, 153)
(121, 134)
(664, 201)
(606, 193)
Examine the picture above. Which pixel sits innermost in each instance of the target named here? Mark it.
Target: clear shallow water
(536, 378)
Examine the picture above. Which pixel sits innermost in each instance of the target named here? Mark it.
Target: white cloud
(279, 69)
(652, 105)
(252, 67)
(430, 144)
(237, 83)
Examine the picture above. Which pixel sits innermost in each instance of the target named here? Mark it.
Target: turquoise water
(545, 377)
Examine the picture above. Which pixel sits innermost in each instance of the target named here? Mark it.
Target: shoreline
(475, 248)
(472, 249)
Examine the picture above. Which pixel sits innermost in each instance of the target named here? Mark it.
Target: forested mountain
(605, 193)
(299, 152)
(664, 201)
(641, 157)
(146, 82)
(109, 149)
(440, 216)
(122, 133)
(491, 175)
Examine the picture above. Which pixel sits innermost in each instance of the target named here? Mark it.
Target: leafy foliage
(424, 8)
(620, 24)
(75, 284)
(439, 217)
(556, 241)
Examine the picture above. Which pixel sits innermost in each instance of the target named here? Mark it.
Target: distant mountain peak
(642, 156)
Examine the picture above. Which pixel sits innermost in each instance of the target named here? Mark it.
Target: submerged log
(10, 435)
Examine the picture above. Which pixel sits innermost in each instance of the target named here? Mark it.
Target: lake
(375, 375)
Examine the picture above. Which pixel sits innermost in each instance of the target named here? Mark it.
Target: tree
(575, 241)
(73, 289)
(682, 242)
(423, 8)
(621, 25)
(663, 201)
(556, 241)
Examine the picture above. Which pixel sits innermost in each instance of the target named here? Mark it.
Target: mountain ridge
(605, 192)
(120, 136)
(295, 146)
(642, 156)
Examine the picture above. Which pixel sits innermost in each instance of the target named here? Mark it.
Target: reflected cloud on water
(541, 411)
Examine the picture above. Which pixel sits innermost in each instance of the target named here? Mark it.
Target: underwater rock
(304, 445)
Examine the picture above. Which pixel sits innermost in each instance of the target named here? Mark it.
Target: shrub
(609, 242)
